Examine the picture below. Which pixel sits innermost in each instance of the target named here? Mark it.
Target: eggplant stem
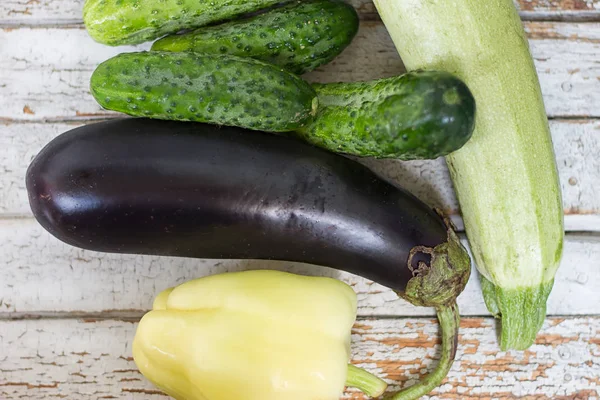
(449, 318)
(365, 381)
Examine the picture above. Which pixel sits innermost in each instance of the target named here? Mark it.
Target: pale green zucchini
(505, 177)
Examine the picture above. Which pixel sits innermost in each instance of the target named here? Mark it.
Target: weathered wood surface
(577, 145)
(92, 360)
(47, 59)
(41, 274)
(70, 11)
(45, 72)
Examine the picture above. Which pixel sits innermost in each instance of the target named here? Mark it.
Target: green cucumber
(218, 89)
(119, 22)
(300, 36)
(418, 115)
(505, 177)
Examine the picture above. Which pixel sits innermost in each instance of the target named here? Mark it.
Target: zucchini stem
(522, 311)
(449, 318)
(365, 381)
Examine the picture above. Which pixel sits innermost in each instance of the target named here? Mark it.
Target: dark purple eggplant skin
(142, 186)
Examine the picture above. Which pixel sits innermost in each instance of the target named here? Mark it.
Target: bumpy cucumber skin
(218, 89)
(120, 22)
(418, 115)
(300, 36)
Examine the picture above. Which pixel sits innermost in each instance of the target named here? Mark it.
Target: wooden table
(67, 316)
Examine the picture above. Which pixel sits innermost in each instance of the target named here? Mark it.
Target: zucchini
(300, 36)
(418, 115)
(218, 89)
(119, 22)
(505, 177)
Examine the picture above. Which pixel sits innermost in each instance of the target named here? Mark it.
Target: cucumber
(419, 115)
(119, 22)
(505, 177)
(218, 89)
(299, 36)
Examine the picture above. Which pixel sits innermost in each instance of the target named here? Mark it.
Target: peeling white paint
(44, 76)
(50, 79)
(91, 360)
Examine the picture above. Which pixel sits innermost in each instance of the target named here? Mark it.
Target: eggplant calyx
(439, 282)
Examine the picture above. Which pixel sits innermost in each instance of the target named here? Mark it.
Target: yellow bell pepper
(253, 335)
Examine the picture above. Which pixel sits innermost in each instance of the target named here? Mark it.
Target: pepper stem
(449, 318)
(364, 381)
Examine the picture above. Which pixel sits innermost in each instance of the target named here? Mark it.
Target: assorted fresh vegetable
(119, 22)
(216, 181)
(505, 177)
(418, 115)
(254, 335)
(220, 89)
(98, 187)
(299, 36)
(143, 186)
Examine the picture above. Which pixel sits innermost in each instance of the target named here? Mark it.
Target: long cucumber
(505, 177)
(119, 22)
(299, 36)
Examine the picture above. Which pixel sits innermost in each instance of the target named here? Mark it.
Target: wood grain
(41, 274)
(45, 79)
(577, 144)
(92, 360)
(47, 59)
(70, 11)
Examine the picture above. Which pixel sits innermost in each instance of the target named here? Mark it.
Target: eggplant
(143, 186)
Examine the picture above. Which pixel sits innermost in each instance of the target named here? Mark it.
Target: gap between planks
(526, 16)
(87, 119)
(136, 315)
(560, 16)
(60, 12)
(580, 225)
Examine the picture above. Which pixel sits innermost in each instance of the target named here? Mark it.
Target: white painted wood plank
(69, 11)
(41, 11)
(41, 274)
(44, 72)
(91, 360)
(19, 143)
(577, 145)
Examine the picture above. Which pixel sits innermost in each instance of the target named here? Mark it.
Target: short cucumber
(300, 36)
(119, 22)
(418, 115)
(219, 89)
